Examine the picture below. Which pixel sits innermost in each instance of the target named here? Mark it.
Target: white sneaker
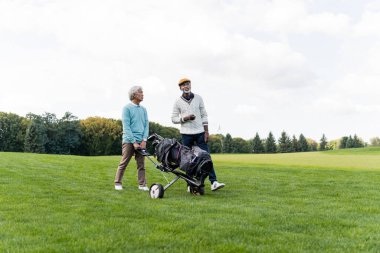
(188, 188)
(143, 188)
(118, 187)
(216, 186)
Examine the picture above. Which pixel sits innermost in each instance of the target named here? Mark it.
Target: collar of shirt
(189, 98)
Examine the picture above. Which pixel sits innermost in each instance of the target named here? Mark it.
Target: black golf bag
(195, 162)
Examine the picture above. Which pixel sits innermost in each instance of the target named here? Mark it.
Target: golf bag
(195, 162)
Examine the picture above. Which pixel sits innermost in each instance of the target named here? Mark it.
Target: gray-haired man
(135, 134)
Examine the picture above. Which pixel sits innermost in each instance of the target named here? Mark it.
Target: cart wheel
(156, 191)
(202, 190)
(195, 190)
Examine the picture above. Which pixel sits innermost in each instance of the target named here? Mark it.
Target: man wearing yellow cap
(190, 112)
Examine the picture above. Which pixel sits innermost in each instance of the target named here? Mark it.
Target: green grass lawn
(300, 202)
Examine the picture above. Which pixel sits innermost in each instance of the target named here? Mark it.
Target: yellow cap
(183, 80)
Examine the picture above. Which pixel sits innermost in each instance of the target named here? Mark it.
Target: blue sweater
(135, 123)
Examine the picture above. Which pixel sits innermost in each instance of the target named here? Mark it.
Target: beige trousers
(127, 152)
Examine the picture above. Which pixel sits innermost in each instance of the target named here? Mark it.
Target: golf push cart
(192, 165)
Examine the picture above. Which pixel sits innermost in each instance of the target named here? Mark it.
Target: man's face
(139, 95)
(185, 87)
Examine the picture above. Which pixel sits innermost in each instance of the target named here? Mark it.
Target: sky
(299, 66)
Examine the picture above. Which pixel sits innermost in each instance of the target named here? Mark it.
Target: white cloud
(368, 24)
(246, 110)
(284, 17)
(327, 23)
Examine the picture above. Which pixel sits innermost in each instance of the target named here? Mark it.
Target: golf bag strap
(167, 151)
(179, 152)
(170, 147)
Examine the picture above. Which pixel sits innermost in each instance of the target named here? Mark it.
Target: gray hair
(133, 90)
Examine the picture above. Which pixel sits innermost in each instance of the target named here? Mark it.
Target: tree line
(284, 144)
(102, 136)
(48, 134)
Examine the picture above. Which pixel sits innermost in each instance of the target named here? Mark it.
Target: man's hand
(189, 117)
(136, 145)
(143, 144)
(206, 136)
